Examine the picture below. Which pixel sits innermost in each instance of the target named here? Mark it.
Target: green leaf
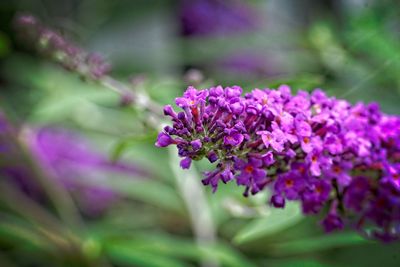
(164, 246)
(21, 236)
(153, 192)
(4, 45)
(273, 221)
(127, 255)
(319, 243)
(129, 142)
(301, 263)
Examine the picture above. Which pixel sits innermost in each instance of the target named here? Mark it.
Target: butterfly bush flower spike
(333, 157)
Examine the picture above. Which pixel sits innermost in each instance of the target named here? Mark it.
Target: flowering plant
(82, 184)
(333, 157)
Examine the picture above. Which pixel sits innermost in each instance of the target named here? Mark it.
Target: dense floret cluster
(332, 156)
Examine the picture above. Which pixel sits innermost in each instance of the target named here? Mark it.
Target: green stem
(195, 200)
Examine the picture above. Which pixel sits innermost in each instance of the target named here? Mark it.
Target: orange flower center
(318, 189)
(195, 111)
(265, 100)
(337, 169)
(249, 169)
(289, 183)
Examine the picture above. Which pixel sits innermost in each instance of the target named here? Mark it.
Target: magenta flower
(332, 222)
(392, 175)
(357, 193)
(276, 139)
(340, 172)
(315, 196)
(317, 162)
(185, 163)
(278, 201)
(290, 184)
(164, 140)
(223, 173)
(233, 138)
(251, 174)
(333, 144)
(191, 98)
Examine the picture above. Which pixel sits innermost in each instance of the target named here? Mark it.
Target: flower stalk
(90, 66)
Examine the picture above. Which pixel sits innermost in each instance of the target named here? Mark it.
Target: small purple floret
(164, 140)
(185, 163)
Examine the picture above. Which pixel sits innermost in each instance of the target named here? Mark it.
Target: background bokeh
(87, 187)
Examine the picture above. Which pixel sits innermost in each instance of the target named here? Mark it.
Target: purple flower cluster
(52, 44)
(333, 157)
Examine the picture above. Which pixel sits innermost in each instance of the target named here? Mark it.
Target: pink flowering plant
(335, 158)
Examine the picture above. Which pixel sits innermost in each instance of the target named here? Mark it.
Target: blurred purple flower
(216, 17)
(250, 63)
(332, 222)
(224, 18)
(65, 157)
(69, 159)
